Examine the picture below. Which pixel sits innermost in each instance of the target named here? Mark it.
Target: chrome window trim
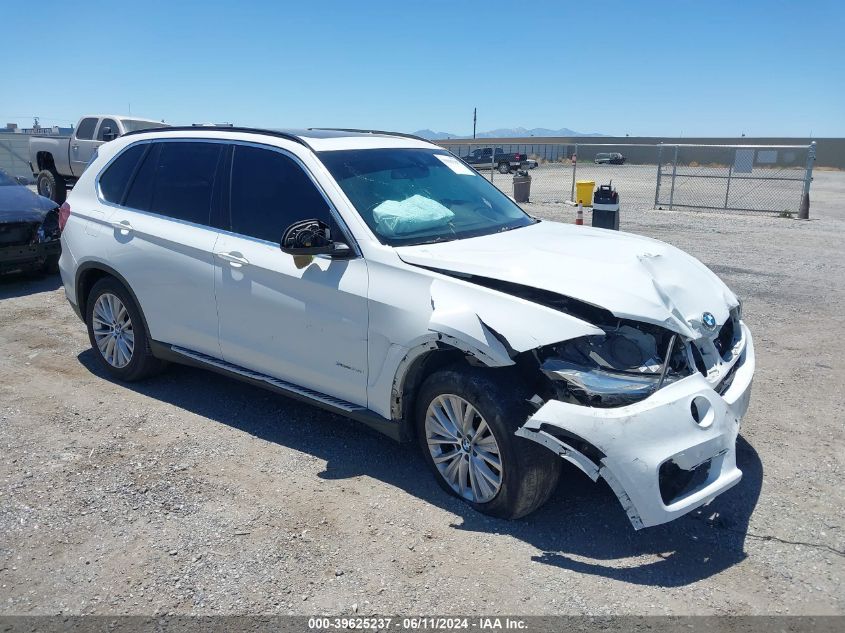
(342, 225)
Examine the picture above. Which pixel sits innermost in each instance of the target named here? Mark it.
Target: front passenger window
(270, 191)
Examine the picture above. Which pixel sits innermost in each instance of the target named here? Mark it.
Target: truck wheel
(466, 419)
(504, 168)
(51, 185)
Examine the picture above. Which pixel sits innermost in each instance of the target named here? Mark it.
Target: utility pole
(474, 113)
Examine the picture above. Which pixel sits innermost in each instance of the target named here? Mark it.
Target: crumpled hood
(19, 204)
(632, 276)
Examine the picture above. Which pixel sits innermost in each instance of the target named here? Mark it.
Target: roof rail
(245, 130)
(345, 129)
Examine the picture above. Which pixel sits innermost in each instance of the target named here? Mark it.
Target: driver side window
(269, 192)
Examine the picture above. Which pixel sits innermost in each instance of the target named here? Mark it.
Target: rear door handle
(123, 226)
(233, 258)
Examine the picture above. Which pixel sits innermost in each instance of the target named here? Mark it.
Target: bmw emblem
(708, 320)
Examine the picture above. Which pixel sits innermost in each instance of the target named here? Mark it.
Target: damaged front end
(652, 412)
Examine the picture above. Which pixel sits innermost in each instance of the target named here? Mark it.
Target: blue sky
(711, 68)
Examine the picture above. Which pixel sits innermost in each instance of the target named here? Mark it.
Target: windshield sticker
(454, 164)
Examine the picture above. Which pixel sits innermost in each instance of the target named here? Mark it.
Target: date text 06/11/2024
(416, 623)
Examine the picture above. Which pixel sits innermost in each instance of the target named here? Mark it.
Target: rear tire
(51, 185)
(528, 472)
(504, 168)
(110, 304)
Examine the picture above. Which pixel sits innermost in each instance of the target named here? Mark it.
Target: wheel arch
(420, 361)
(44, 160)
(89, 273)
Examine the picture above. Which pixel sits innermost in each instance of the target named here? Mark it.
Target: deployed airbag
(411, 215)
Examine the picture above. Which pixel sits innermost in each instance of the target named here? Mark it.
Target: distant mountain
(431, 135)
(516, 132)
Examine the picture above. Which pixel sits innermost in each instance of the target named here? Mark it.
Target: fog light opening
(702, 411)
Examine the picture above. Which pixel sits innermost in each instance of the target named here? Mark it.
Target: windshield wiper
(433, 240)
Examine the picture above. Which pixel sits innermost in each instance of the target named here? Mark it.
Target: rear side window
(177, 180)
(269, 192)
(114, 180)
(85, 131)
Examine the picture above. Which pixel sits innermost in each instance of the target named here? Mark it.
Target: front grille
(17, 233)
(724, 341)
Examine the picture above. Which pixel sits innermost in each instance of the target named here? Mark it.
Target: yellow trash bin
(584, 192)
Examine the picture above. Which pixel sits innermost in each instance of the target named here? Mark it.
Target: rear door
(162, 240)
(82, 145)
(303, 320)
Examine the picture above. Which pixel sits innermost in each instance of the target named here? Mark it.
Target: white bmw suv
(378, 276)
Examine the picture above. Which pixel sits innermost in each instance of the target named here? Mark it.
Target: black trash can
(521, 186)
(606, 208)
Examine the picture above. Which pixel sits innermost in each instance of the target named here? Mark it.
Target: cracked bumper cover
(635, 440)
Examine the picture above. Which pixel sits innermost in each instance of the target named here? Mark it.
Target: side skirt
(183, 356)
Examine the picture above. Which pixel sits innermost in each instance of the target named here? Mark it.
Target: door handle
(234, 259)
(75, 147)
(123, 226)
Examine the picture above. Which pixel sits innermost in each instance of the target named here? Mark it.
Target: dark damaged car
(29, 229)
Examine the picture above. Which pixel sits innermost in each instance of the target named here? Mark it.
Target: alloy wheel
(113, 330)
(463, 448)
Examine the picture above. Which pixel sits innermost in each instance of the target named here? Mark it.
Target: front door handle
(235, 259)
(123, 226)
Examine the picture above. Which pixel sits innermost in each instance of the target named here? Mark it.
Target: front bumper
(629, 445)
(27, 256)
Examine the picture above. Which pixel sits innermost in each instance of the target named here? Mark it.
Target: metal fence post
(728, 188)
(659, 172)
(674, 172)
(574, 166)
(804, 207)
(492, 162)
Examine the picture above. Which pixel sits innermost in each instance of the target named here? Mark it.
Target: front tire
(466, 419)
(117, 333)
(51, 185)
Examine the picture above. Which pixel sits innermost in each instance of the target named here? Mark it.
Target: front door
(303, 320)
(82, 145)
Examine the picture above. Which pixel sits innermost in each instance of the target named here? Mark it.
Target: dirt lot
(191, 493)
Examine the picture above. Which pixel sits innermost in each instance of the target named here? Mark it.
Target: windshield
(131, 125)
(418, 196)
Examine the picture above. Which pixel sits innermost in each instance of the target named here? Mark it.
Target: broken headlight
(625, 365)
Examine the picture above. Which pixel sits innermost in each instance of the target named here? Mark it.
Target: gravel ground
(191, 493)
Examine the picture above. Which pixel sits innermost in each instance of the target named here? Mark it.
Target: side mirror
(108, 135)
(312, 237)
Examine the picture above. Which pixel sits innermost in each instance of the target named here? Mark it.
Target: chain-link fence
(768, 178)
(734, 178)
(14, 155)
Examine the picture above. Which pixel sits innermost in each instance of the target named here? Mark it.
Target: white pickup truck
(58, 161)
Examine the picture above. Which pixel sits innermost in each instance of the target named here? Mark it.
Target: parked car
(612, 158)
(58, 161)
(487, 158)
(379, 277)
(529, 163)
(29, 229)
